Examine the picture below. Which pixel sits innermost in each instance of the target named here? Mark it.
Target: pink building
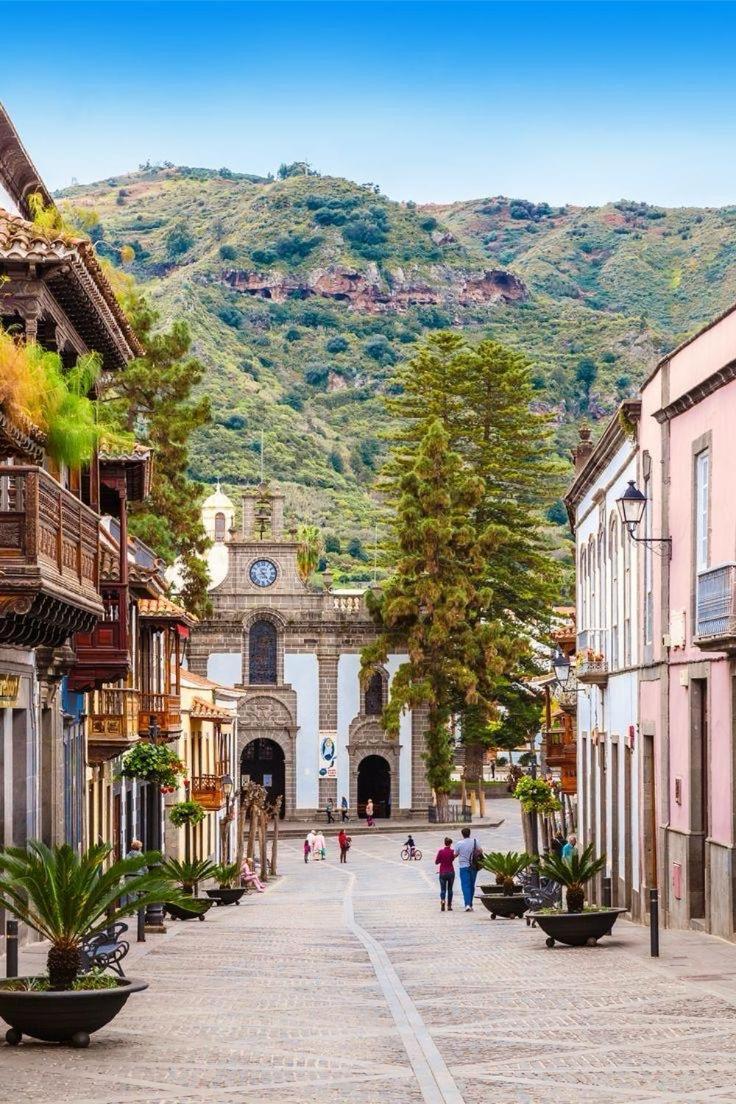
(687, 657)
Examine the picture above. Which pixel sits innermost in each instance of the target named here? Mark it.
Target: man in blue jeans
(464, 850)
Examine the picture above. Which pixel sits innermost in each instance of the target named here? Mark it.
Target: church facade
(307, 729)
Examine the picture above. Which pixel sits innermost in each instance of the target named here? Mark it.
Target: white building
(607, 652)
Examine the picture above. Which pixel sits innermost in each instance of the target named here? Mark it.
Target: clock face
(263, 573)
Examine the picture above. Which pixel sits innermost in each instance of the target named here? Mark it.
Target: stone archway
(367, 739)
(272, 717)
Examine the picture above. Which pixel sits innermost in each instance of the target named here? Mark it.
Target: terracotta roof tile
(165, 608)
(206, 711)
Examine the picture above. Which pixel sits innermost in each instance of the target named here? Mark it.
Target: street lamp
(561, 667)
(154, 911)
(631, 507)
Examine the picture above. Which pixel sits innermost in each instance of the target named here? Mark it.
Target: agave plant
(573, 873)
(68, 897)
(225, 874)
(188, 872)
(506, 865)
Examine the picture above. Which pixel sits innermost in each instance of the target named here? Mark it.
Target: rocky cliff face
(370, 291)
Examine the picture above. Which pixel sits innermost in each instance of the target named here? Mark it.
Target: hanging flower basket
(153, 763)
(186, 812)
(536, 795)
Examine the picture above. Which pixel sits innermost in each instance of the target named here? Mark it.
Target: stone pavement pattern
(347, 984)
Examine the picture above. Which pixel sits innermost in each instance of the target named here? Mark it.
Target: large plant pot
(498, 904)
(576, 929)
(179, 912)
(490, 889)
(61, 1017)
(226, 896)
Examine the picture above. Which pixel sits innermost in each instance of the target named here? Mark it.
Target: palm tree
(506, 865)
(309, 550)
(188, 873)
(68, 897)
(573, 873)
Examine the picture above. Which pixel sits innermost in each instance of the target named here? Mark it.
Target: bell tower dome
(218, 518)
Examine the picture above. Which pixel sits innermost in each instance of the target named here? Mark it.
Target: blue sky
(581, 103)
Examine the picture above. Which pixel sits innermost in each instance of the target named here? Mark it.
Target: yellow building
(207, 747)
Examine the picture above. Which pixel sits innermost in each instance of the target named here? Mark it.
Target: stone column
(277, 516)
(249, 514)
(421, 793)
(328, 660)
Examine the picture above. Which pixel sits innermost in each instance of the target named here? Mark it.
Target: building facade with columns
(307, 729)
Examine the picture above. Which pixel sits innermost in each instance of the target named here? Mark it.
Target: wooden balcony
(112, 723)
(207, 790)
(49, 560)
(560, 748)
(102, 654)
(715, 610)
(161, 710)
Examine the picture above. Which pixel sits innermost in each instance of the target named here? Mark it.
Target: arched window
(220, 526)
(592, 595)
(262, 653)
(613, 552)
(583, 591)
(374, 695)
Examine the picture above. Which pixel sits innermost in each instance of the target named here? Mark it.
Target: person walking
(493, 770)
(570, 846)
(445, 860)
(344, 809)
(467, 852)
(369, 812)
(558, 842)
(309, 841)
(320, 849)
(329, 806)
(343, 840)
(307, 849)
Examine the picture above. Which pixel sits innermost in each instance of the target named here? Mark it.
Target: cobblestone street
(347, 984)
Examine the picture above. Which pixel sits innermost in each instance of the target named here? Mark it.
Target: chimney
(584, 448)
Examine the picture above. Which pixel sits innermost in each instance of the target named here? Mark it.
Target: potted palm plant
(578, 924)
(187, 874)
(67, 898)
(227, 892)
(506, 898)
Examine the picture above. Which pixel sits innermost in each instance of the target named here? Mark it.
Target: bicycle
(407, 856)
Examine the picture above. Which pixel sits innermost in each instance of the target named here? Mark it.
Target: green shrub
(228, 252)
(336, 345)
(230, 317)
(179, 240)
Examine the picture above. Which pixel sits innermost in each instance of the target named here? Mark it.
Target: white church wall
(302, 673)
(394, 662)
(225, 667)
(348, 706)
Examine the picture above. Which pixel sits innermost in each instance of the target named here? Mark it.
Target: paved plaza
(346, 984)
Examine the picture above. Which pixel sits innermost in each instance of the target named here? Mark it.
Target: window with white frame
(702, 520)
(583, 591)
(613, 550)
(602, 645)
(648, 568)
(593, 594)
(626, 568)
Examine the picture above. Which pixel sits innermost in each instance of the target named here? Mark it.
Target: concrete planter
(576, 929)
(498, 904)
(63, 1017)
(229, 895)
(179, 912)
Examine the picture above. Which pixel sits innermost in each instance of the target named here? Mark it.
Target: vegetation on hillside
(609, 290)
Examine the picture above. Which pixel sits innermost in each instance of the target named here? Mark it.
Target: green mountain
(303, 293)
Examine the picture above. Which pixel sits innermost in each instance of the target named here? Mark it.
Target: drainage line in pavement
(434, 1078)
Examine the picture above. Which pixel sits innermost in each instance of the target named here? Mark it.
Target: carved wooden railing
(102, 654)
(112, 724)
(49, 559)
(207, 789)
(161, 710)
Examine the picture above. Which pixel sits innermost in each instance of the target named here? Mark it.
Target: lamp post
(227, 788)
(154, 912)
(631, 506)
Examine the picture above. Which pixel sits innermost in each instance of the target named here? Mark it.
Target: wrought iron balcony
(102, 654)
(161, 710)
(112, 723)
(49, 560)
(591, 665)
(715, 609)
(208, 790)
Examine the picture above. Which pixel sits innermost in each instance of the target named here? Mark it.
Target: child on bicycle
(411, 846)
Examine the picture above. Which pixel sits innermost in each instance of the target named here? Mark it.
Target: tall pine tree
(483, 398)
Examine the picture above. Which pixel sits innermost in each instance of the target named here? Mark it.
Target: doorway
(699, 802)
(263, 761)
(374, 780)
